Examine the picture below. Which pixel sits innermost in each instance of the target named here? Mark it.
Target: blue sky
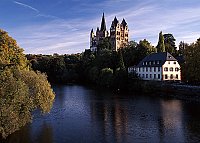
(63, 26)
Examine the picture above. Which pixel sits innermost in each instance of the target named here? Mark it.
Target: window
(146, 69)
(154, 76)
(166, 76)
(154, 62)
(171, 76)
(150, 69)
(169, 62)
(149, 63)
(139, 69)
(143, 63)
(176, 76)
(174, 62)
(154, 69)
(142, 75)
(143, 69)
(139, 75)
(171, 69)
(150, 75)
(158, 62)
(158, 76)
(158, 68)
(166, 69)
(146, 63)
(176, 69)
(146, 75)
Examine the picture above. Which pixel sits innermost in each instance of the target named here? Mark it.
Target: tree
(121, 61)
(21, 89)
(104, 44)
(161, 46)
(169, 42)
(144, 48)
(106, 77)
(191, 68)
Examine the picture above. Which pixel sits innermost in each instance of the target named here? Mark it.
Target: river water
(84, 115)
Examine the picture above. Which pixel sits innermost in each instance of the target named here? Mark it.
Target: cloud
(27, 6)
(145, 21)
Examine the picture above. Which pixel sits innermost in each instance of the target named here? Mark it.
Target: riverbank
(181, 91)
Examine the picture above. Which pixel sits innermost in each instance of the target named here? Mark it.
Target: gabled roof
(159, 59)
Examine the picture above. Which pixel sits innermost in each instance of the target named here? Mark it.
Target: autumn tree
(21, 89)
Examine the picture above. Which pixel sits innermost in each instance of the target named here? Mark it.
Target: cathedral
(118, 35)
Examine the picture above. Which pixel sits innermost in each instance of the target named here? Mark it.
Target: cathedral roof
(124, 23)
(103, 23)
(115, 22)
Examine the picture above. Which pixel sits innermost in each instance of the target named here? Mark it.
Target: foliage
(191, 67)
(21, 89)
(10, 53)
(106, 77)
(169, 42)
(161, 46)
(104, 44)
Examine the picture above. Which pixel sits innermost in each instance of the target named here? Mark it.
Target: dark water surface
(83, 115)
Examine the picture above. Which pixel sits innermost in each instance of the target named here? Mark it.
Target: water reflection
(85, 115)
(171, 126)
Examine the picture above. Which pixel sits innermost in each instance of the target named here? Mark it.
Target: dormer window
(143, 63)
(158, 62)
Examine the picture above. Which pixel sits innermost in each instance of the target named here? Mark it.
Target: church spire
(103, 24)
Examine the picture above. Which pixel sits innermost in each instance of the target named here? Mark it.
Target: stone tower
(118, 34)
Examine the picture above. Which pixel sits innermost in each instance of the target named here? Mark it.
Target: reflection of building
(112, 120)
(118, 34)
(158, 66)
(172, 120)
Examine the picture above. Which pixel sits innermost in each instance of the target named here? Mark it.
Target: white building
(160, 66)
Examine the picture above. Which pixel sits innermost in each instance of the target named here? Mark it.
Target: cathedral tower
(118, 34)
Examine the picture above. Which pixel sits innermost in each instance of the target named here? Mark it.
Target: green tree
(121, 61)
(21, 89)
(191, 68)
(161, 45)
(170, 45)
(144, 48)
(104, 44)
(106, 77)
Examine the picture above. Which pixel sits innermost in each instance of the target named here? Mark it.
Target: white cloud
(26, 6)
(145, 21)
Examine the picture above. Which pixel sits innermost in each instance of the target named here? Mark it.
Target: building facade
(160, 66)
(118, 36)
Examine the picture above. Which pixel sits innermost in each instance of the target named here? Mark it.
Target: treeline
(106, 68)
(109, 68)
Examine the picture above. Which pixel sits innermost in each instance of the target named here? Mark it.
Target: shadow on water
(44, 134)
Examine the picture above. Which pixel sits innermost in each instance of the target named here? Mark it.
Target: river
(84, 115)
